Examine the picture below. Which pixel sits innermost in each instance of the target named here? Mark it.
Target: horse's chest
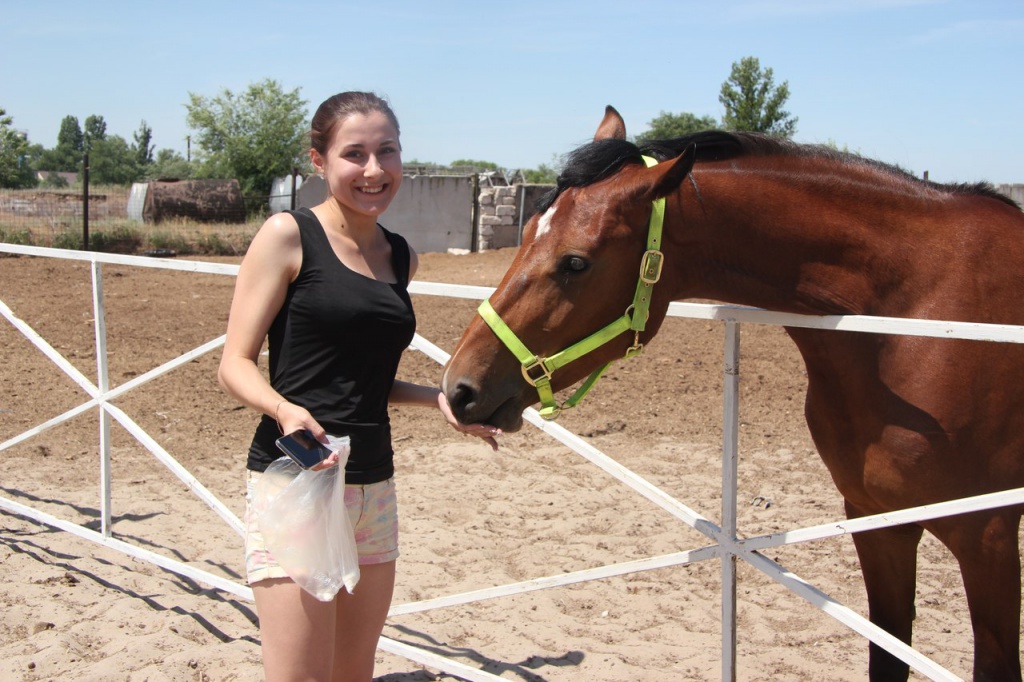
(900, 420)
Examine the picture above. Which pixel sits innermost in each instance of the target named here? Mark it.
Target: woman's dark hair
(339, 107)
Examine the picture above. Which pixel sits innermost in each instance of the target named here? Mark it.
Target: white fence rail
(725, 544)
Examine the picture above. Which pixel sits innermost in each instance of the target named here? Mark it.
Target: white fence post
(730, 465)
(103, 384)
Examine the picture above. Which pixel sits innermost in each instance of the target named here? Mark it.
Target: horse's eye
(575, 264)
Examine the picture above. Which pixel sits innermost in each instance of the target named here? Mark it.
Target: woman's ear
(317, 161)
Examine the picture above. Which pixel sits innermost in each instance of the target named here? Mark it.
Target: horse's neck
(788, 242)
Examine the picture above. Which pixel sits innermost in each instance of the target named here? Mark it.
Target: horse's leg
(888, 562)
(986, 545)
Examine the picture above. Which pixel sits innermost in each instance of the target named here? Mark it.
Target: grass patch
(179, 238)
(21, 237)
(169, 241)
(120, 239)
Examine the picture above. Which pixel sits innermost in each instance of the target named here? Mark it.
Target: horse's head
(576, 273)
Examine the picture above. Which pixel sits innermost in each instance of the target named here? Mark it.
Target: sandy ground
(470, 518)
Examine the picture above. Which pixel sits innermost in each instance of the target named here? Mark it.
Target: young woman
(328, 286)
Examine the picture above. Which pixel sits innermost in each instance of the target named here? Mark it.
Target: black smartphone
(303, 448)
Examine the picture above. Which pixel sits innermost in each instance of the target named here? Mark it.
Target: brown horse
(900, 421)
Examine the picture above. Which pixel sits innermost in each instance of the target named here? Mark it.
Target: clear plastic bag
(302, 516)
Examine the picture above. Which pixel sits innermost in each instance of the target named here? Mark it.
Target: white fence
(725, 543)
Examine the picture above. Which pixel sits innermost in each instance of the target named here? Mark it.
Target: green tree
(48, 161)
(54, 180)
(832, 144)
(15, 168)
(169, 165)
(541, 175)
(35, 155)
(112, 162)
(417, 167)
(754, 103)
(143, 147)
(67, 155)
(475, 165)
(667, 126)
(70, 134)
(253, 137)
(95, 131)
(544, 174)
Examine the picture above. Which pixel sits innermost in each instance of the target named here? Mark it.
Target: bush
(212, 245)
(168, 241)
(21, 237)
(54, 181)
(67, 239)
(121, 239)
(232, 243)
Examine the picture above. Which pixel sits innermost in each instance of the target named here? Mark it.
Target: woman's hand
(291, 418)
(484, 431)
(330, 461)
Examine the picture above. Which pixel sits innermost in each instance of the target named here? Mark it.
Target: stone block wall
(503, 213)
(499, 218)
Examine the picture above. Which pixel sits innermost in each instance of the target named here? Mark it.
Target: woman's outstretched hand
(487, 433)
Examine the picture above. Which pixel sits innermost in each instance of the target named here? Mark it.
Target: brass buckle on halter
(636, 348)
(650, 266)
(537, 363)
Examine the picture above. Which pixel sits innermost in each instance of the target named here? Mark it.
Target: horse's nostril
(462, 399)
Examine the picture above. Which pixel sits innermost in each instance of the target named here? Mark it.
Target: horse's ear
(675, 172)
(612, 126)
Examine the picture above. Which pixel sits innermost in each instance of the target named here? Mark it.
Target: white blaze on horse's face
(544, 224)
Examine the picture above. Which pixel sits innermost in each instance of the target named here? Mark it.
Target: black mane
(601, 159)
(591, 163)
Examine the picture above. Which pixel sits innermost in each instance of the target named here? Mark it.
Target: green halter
(538, 370)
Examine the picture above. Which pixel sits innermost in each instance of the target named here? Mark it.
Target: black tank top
(335, 346)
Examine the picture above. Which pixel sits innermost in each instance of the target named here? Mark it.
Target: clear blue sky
(930, 85)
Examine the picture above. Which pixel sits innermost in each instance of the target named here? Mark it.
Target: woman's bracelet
(277, 408)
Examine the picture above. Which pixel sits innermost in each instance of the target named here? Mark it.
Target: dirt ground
(474, 518)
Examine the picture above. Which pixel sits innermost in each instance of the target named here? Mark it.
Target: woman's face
(363, 165)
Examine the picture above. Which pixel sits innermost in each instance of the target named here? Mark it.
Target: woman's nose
(372, 167)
